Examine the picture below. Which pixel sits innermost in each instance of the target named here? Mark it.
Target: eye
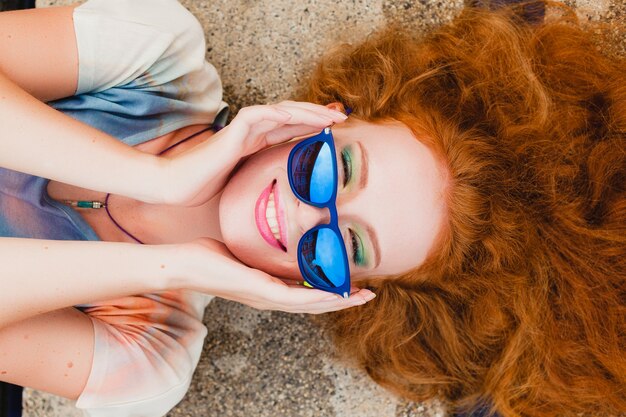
(357, 248)
(346, 162)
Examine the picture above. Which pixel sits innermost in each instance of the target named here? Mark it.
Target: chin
(238, 228)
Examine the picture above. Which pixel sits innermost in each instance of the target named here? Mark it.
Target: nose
(307, 216)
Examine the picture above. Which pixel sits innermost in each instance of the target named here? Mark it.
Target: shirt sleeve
(142, 70)
(121, 41)
(146, 350)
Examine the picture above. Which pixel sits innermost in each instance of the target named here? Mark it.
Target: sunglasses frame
(325, 136)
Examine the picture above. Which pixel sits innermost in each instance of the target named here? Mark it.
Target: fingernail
(284, 113)
(339, 114)
(370, 296)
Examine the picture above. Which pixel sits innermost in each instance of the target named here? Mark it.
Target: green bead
(84, 204)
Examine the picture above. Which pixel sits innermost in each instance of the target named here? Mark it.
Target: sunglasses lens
(313, 172)
(323, 258)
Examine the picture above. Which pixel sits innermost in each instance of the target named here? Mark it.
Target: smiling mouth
(269, 217)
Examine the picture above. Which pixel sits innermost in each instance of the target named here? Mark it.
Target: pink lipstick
(280, 217)
(260, 218)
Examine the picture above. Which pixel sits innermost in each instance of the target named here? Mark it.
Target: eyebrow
(364, 166)
(362, 184)
(374, 240)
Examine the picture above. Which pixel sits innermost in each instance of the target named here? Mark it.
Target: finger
(321, 109)
(294, 285)
(355, 296)
(290, 281)
(291, 129)
(288, 132)
(335, 305)
(290, 298)
(354, 290)
(333, 309)
(332, 116)
(331, 303)
(273, 293)
(256, 121)
(254, 115)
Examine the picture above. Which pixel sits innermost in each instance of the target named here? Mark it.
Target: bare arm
(52, 352)
(38, 51)
(37, 139)
(39, 276)
(38, 56)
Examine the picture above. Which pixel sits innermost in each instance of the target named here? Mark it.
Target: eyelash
(346, 161)
(347, 167)
(356, 246)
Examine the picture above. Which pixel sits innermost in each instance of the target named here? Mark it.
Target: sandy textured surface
(271, 364)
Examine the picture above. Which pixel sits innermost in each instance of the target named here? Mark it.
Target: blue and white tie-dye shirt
(142, 74)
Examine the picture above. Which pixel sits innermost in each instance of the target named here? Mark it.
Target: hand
(195, 176)
(214, 270)
(258, 127)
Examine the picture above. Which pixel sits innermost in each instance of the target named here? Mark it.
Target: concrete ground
(272, 364)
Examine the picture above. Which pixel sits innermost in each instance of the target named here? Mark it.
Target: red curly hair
(522, 307)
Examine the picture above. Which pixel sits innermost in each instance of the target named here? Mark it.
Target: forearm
(39, 140)
(44, 275)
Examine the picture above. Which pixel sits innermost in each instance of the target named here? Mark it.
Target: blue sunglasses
(312, 173)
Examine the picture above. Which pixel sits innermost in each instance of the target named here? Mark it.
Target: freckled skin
(70, 364)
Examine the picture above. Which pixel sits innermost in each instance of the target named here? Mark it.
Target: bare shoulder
(36, 36)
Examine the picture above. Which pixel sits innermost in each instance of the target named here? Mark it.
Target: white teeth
(271, 221)
(270, 215)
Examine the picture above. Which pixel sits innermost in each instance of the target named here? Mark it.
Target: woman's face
(391, 206)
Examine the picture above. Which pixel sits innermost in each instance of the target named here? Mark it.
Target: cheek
(236, 214)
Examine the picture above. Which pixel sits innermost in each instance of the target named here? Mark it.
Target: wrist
(195, 176)
(202, 265)
(177, 262)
